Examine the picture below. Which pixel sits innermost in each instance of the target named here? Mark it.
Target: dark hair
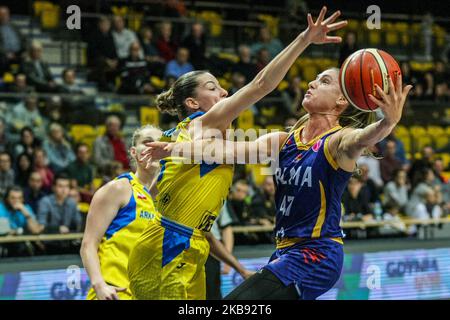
(67, 70)
(60, 176)
(8, 191)
(172, 101)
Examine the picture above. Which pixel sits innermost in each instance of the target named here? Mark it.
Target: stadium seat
(149, 115)
(80, 131)
(246, 120)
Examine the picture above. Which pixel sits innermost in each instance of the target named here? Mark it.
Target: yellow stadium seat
(419, 142)
(79, 131)
(224, 83)
(440, 141)
(374, 37)
(50, 17)
(435, 131)
(309, 72)
(417, 131)
(228, 56)
(421, 66)
(157, 82)
(403, 30)
(283, 85)
(8, 77)
(149, 115)
(246, 120)
(445, 159)
(406, 141)
(392, 36)
(401, 130)
(97, 183)
(259, 172)
(83, 207)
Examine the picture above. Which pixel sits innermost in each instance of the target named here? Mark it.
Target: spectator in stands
(180, 65)
(4, 136)
(24, 167)
(110, 146)
(396, 191)
(266, 41)
(400, 152)
(102, 56)
(155, 63)
(425, 161)
(389, 163)
(123, 37)
(410, 77)
(12, 43)
(262, 59)
(292, 96)
(236, 202)
(166, 46)
(135, 75)
(195, 42)
(27, 114)
(69, 82)
(356, 203)
(111, 170)
(19, 85)
(262, 206)
(7, 175)
(423, 191)
(20, 216)
(81, 172)
(33, 192)
(37, 71)
(27, 143)
(237, 82)
(245, 64)
(348, 47)
(392, 215)
(373, 164)
(440, 179)
(58, 149)
(41, 166)
(441, 82)
(369, 186)
(58, 212)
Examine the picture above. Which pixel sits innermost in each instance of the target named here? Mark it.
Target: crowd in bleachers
(47, 177)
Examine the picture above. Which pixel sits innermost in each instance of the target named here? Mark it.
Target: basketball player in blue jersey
(315, 161)
(118, 214)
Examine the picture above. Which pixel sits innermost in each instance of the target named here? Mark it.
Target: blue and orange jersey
(309, 187)
(191, 194)
(123, 232)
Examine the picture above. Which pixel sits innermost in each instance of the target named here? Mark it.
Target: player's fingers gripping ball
(361, 71)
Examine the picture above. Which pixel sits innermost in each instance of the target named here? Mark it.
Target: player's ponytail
(172, 101)
(165, 102)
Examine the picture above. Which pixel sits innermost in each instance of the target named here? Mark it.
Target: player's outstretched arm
(262, 150)
(224, 112)
(218, 250)
(352, 142)
(105, 204)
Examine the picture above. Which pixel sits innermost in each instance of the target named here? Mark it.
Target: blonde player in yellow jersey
(168, 259)
(119, 212)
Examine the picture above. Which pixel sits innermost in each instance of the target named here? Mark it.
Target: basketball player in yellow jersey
(118, 214)
(168, 260)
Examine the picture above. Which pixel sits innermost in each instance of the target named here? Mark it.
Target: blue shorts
(313, 266)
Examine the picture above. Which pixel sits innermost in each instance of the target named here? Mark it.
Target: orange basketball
(361, 71)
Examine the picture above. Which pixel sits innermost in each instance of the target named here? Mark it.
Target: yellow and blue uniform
(309, 187)
(121, 236)
(168, 259)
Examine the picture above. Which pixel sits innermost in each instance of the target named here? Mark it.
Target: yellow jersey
(121, 236)
(191, 194)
